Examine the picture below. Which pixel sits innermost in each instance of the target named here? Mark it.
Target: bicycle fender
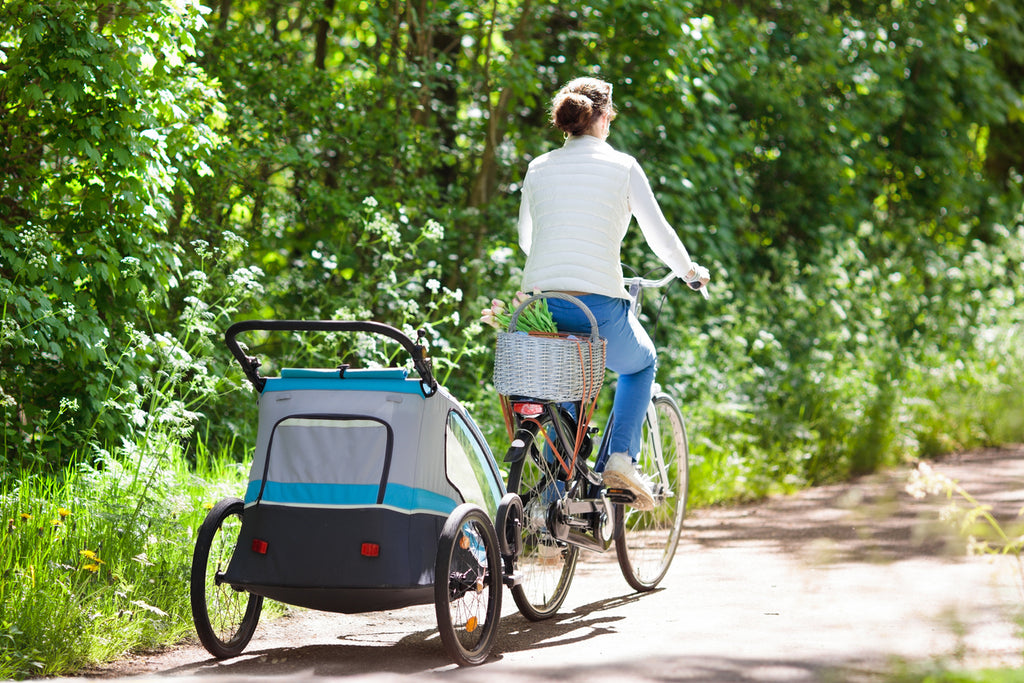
(524, 436)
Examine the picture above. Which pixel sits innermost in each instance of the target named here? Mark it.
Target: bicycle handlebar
(640, 283)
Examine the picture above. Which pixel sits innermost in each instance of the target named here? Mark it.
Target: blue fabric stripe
(315, 494)
(402, 386)
(408, 498)
(252, 490)
(350, 373)
(396, 495)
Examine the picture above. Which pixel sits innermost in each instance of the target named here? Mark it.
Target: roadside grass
(95, 560)
(908, 674)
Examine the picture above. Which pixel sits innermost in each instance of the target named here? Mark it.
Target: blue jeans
(630, 353)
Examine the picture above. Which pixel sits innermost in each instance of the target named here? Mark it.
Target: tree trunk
(323, 26)
(486, 180)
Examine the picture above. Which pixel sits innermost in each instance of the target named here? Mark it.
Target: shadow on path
(872, 519)
(420, 651)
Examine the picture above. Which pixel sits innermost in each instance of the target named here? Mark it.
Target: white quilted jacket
(576, 206)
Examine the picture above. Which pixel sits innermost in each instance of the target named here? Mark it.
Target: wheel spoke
(468, 584)
(225, 617)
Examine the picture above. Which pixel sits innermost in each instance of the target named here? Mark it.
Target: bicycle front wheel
(546, 565)
(647, 540)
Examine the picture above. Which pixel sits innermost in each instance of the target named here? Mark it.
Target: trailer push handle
(250, 364)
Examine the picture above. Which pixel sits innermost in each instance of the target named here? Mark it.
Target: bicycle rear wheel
(647, 540)
(546, 565)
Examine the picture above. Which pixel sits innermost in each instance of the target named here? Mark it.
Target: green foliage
(813, 376)
(96, 560)
(834, 163)
(938, 673)
(102, 114)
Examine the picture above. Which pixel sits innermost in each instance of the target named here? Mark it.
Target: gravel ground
(837, 583)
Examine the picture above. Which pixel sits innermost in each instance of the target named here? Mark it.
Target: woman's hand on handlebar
(698, 278)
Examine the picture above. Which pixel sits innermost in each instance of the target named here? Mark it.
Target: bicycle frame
(570, 514)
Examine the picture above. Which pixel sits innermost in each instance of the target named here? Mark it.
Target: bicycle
(565, 505)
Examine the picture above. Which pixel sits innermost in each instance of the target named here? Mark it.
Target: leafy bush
(104, 111)
(843, 365)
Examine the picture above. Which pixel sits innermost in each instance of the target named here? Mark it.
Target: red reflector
(259, 546)
(370, 550)
(528, 409)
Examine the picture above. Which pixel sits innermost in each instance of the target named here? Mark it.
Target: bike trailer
(354, 475)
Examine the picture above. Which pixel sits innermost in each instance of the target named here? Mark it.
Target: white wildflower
(433, 230)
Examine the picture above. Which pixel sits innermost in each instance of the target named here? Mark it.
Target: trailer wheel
(467, 585)
(225, 617)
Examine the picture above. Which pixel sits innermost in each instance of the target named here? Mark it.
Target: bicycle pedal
(620, 496)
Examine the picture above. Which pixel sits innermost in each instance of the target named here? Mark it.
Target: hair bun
(573, 112)
(580, 103)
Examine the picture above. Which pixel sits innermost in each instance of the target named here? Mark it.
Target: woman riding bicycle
(576, 206)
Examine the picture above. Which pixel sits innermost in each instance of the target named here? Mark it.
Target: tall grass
(95, 557)
(95, 561)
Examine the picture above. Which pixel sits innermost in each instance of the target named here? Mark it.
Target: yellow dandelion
(25, 516)
(63, 512)
(56, 522)
(207, 506)
(91, 568)
(90, 555)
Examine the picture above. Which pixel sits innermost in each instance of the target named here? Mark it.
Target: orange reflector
(259, 546)
(528, 409)
(370, 550)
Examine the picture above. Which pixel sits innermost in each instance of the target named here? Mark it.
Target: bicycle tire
(545, 565)
(225, 617)
(646, 541)
(467, 585)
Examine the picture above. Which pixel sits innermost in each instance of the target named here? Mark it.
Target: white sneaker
(620, 473)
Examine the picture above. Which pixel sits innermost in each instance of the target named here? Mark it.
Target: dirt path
(836, 583)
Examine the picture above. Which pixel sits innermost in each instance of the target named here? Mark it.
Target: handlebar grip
(698, 286)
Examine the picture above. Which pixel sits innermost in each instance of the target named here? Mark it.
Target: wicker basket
(546, 366)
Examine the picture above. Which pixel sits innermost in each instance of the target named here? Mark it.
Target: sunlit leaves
(798, 143)
(102, 113)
